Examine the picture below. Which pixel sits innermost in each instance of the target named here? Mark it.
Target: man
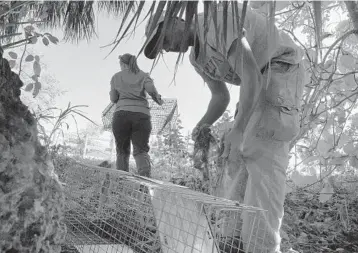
(271, 79)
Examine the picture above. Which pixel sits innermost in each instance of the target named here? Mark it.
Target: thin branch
(343, 37)
(294, 13)
(25, 23)
(284, 12)
(9, 35)
(22, 58)
(16, 43)
(344, 125)
(296, 39)
(320, 181)
(336, 105)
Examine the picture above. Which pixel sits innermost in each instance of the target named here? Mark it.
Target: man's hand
(202, 139)
(200, 130)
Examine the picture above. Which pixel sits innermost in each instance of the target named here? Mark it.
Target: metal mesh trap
(113, 211)
(163, 116)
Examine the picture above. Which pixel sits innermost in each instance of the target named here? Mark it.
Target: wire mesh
(114, 211)
(163, 116)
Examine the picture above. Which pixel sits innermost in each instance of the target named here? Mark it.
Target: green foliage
(327, 143)
(169, 153)
(28, 24)
(58, 122)
(173, 140)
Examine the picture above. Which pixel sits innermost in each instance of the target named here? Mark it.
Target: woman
(131, 120)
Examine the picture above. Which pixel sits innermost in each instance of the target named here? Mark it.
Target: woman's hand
(159, 100)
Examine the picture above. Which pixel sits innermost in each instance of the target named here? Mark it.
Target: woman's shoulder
(119, 73)
(144, 74)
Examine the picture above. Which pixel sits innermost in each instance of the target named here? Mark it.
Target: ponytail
(131, 61)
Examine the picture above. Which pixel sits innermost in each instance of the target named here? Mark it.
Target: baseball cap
(151, 35)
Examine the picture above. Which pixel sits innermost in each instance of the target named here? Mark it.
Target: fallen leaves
(313, 225)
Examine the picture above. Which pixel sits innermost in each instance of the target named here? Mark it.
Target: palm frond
(10, 18)
(114, 7)
(75, 18)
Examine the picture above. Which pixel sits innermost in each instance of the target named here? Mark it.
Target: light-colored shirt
(266, 46)
(128, 91)
(278, 113)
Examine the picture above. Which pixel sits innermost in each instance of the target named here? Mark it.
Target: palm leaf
(182, 10)
(237, 25)
(214, 17)
(127, 12)
(114, 7)
(191, 11)
(135, 17)
(224, 18)
(207, 5)
(76, 18)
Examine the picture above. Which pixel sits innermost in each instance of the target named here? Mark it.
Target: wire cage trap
(113, 211)
(162, 116)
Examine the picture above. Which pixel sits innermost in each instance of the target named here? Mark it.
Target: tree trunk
(352, 8)
(31, 196)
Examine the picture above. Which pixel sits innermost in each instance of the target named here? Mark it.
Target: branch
(28, 40)
(295, 12)
(340, 102)
(9, 35)
(343, 37)
(283, 12)
(320, 181)
(25, 22)
(296, 39)
(22, 58)
(344, 125)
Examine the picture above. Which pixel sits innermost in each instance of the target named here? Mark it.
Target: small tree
(174, 140)
(170, 154)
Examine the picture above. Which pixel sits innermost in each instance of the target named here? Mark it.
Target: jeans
(132, 127)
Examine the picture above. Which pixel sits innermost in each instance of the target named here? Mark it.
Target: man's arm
(152, 91)
(113, 94)
(220, 98)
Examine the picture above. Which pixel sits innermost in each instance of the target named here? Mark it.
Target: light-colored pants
(257, 177)
(259, 181)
